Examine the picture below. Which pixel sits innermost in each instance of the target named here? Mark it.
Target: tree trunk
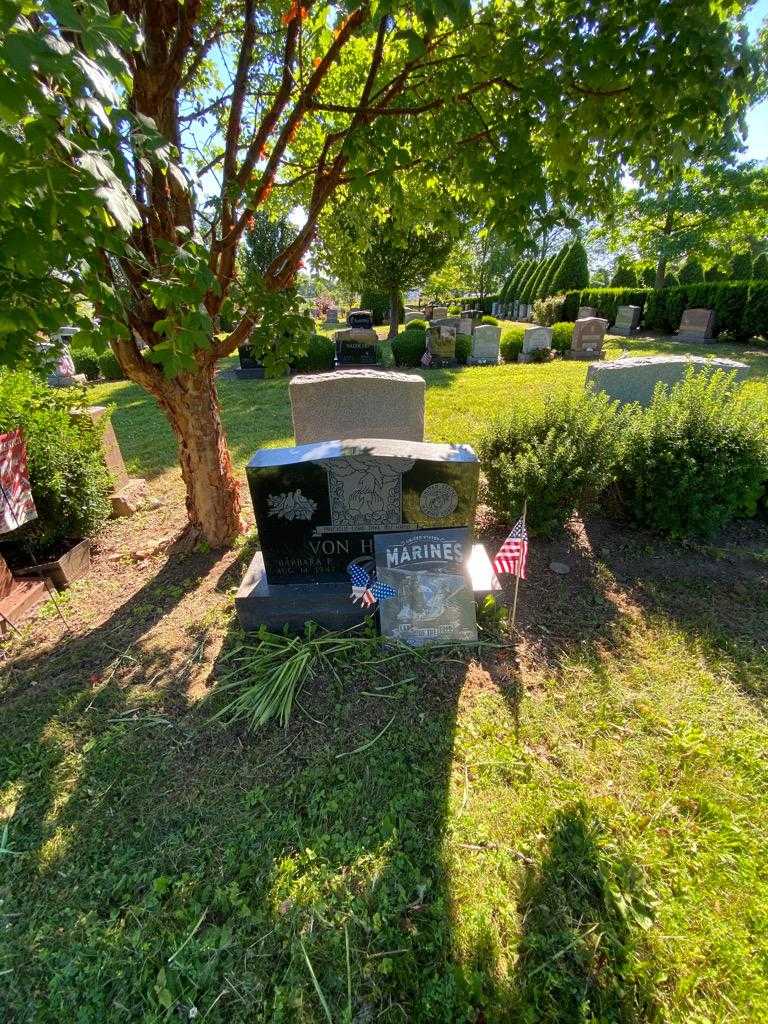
(661, 272)
(394, 312)
(213, 496)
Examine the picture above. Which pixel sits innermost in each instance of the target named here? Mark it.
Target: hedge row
(741, 308)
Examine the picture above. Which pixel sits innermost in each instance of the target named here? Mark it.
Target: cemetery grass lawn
(568, 828)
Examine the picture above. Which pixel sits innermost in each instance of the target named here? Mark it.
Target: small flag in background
(367, 591)
(513, 553)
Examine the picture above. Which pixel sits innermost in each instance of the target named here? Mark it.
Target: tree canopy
(134, 161)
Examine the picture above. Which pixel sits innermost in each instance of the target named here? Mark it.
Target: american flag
(513, 553)
(367, 591)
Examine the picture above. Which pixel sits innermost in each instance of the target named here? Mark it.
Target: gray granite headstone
(697, 325)
(585, 312)
(485, 345)
(627, 321)
(634, 379)
(439, 312)
(441, 346)
(535, 340)
(413, 314)
(332, 316)
(377, 403)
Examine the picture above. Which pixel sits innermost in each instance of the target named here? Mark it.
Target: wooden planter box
(64, 571)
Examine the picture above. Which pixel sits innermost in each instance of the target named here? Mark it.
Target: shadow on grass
(585, 914)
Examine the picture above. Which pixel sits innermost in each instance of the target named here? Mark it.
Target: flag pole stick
(517, 578)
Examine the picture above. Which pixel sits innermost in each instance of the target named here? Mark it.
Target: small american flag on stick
(366, 590)
(513, 553)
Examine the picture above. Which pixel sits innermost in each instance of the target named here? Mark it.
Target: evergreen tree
(741, 267)
(547, 285)
(648, 277)
(526, 281)
(691, 272)
(625, 275)
(533, 283)
(760, 267)
(573, 271)
(513, 284)
(714, 273)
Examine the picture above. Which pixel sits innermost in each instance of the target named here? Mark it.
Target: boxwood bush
(109, 366)
(492, 320)
(511, 344)
(417, 325)
(548, 311)
(696, 458)
(86, 361)
(409, 347)
(70, 482)
(560, 459)
(319, 355)
(604, 300)
(562, 334)
(463, 348)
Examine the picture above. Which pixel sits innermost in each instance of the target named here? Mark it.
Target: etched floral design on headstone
(291, 505)
(365, 493)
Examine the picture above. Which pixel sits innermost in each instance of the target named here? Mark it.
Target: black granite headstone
(360, 318)
(350, 352)
(249, 367)
(318, 506)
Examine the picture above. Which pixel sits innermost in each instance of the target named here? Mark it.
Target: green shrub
(562, 334)
(664, 307)
(740, 267)
(648, 277)
(755, 317)
(511, 343)
(714, 274)
(514, 283)
(70, 482)
(409, 347)
(452, 311)
(625, 275)
(86, 361)
(319, 355)
(378, 303)
(548, 311)
(109, 366)
(691, 272)
(492, 320)
(560, 459)
(760, 267)
(417, 325)
(463, 348)
(697, 457)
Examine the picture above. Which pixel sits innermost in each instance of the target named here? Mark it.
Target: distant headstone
(332, 315)
(697, 325)
(472, 314)
(441, 347)
(344, 404)
(585, 312)
(634, 379)
(249, 366)
(439, 312)
(535, 340)
(356, 346)
(627, 321)
(496, 309)
(428, 570)
(360, 318)
(448, 321)
(413, 314)
(485, 345)
(465, 326)
(587, 339)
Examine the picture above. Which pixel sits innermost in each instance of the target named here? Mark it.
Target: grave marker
(535, 339)
(441, 347)
(627, 321)
(362, 318)
(697, 325)
(634, 379)
(585, 312)
(356, 346)
(587, 339)
(342, 404)
(485, 345)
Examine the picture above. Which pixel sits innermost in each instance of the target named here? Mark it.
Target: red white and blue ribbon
(366, 590)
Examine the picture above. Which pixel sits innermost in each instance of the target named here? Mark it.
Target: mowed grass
(567, 828)
(590, 847)
(459, 403)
